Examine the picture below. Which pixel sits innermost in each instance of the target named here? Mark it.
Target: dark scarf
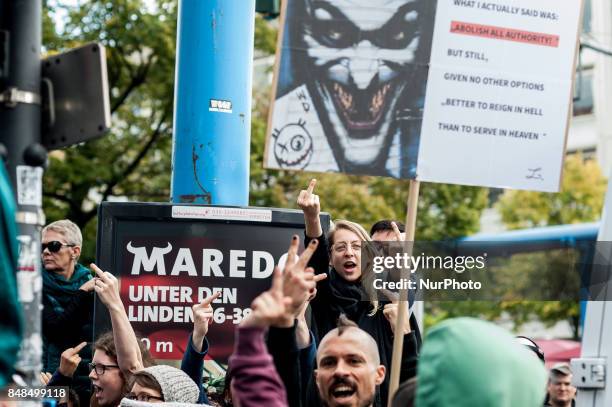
(59, 291)
(350, 297)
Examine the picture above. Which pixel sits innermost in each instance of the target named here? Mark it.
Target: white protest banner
(456, 91)
(499, 92)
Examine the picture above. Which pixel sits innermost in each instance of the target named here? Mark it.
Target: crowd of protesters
(318, 336)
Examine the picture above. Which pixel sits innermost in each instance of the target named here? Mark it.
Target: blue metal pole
(212, 102)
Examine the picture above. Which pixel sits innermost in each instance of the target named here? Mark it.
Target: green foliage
(265, 36)
(133, 160)
(445, 211)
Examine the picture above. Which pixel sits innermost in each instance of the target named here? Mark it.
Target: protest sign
(462, 91)
(168, 257)
(499, 93)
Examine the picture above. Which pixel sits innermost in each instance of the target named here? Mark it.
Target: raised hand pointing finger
(311, 185)
(208, 300)
(399, 236)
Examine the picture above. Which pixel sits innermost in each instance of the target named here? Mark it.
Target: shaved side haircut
(346, 326)
(344, 323)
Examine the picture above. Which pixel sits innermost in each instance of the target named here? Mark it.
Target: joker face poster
(350, 88)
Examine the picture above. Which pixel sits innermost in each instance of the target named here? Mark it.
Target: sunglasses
(54, 246)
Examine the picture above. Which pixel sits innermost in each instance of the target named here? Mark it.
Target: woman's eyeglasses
(54, 246)
(147, 398)
(100, 368)
(342, 247)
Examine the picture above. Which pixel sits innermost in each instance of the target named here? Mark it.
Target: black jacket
(63, 330)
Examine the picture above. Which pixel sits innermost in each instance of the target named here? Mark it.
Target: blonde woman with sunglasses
(67, 300)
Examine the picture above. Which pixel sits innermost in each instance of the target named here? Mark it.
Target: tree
(133, 160)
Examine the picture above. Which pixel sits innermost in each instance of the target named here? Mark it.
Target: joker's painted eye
(411, 16)
(322, 14)
(336, 33)
(331, 28)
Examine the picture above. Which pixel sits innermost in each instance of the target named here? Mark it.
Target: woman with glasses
(152, 384)
(347, 291)
(67, 300)
(161, 384)
(109, 382)
(127, 357)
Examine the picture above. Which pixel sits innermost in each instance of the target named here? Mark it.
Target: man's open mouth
(342, 391)
(361, 110)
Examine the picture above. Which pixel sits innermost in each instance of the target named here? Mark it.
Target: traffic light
(269, 8)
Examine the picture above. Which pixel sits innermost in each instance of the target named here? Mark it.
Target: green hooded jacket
(10, 317)
(473, 363)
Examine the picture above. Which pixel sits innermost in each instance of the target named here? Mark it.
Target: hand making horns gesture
(299, 281)
(270, 307)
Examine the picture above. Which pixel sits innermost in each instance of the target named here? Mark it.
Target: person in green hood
(469, 362)
(67, 301)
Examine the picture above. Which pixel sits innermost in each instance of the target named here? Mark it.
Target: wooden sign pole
(398, 340)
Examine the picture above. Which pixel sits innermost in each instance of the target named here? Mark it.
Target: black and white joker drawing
(351, 86)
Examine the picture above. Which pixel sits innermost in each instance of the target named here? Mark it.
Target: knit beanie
(133, 403)
(176, 385)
